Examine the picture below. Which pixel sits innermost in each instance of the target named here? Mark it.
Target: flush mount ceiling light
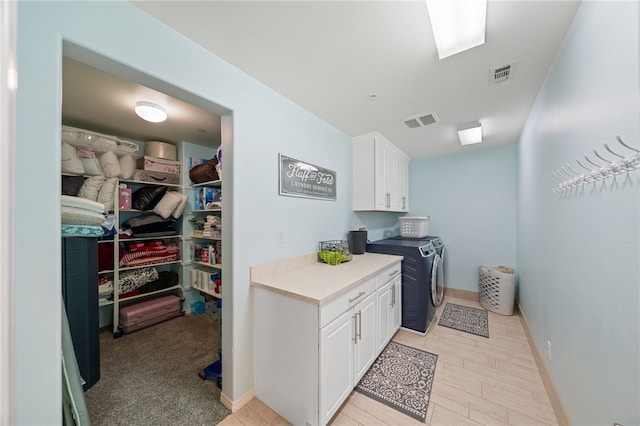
(457, 25)
(151, 112)
(470, 133)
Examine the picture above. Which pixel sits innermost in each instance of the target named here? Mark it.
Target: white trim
(8, 87)
(234, 406)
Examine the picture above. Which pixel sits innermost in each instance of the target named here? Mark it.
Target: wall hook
(568, 178)
(609, 149)
(619, 138)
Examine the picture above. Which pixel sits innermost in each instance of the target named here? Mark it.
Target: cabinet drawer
(387, 275)
(331, 310)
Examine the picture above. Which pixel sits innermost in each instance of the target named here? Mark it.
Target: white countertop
(307, 279)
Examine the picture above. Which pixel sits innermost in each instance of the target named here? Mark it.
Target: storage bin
(156, 177)
(161, 150)
(497, 289)
(155, 164)
(414, 227)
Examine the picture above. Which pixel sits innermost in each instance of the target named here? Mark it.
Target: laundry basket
(497, 288)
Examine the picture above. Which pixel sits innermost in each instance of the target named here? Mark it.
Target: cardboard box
(154, 164)
(155, 177)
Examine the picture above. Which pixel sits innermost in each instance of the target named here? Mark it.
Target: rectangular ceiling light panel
(458, 25)
(470, 133)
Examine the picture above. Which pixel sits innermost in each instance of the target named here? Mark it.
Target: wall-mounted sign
(300, 179)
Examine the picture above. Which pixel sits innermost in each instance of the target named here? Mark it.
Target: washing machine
(438, 266)
(418, 308)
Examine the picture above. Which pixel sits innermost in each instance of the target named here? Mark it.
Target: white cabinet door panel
(336, 368)
(366, 343)
(384, 315)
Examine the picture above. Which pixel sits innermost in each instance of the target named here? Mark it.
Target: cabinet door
(402, 183)
(384, 314)
(381, 159)
(366, 335)
(336, 364)
(396, 305)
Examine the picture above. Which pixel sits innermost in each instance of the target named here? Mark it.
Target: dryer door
(437, 281)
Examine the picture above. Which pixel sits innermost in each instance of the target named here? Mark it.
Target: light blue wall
(264, 124)
(471, 199)
(578, 252)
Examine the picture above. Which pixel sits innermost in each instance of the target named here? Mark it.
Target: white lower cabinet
(389, 300)
(336, 375)
(365, 341)
(322, 350)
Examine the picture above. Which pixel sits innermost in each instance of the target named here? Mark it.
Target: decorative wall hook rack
(567, 178)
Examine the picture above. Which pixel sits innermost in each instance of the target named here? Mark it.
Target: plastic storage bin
(414, 227)
(497, 289)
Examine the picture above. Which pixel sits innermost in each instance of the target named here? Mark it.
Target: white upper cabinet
(380, 175)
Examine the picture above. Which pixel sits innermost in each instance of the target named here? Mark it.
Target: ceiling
(96, 100)
(331, 56)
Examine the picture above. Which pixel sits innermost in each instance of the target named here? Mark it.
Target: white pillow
(106, 193)
(127, 166)
(91, 187)
(110, 164)
(90, 162)
(91, 166)
(167, 204)
(71, 163)
(180, 208)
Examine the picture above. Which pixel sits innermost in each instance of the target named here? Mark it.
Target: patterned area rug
(465, 318)
(401, 378)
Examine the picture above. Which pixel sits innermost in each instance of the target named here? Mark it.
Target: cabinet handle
(357, 297)
(394, 273)
(393, 295)
(359, 321)
(404, 203)
(388, 200)
(355, 328)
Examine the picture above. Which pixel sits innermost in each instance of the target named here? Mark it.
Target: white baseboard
(473, 296)
(554, 399)
(234, 406)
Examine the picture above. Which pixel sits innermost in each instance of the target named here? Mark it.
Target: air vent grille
(502, 73)
(421, 120)
(412, 123)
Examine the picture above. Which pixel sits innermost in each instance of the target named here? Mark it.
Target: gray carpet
(401, 378)
(465, 318)
(150, 377)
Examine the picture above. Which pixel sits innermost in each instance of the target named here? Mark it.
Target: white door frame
(8, 87)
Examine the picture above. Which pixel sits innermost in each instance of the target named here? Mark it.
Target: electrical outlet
(549, 350)
(281, 235)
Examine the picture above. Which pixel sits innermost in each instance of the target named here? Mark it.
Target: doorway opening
(98, 100)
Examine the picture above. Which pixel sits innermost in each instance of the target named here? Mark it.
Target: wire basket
(334, 252)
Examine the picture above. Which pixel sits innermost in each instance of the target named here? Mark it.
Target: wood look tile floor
(478, 381)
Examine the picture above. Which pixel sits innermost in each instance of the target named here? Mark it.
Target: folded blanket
(153, 260)
(81, 203)
(81, 231)
(153, 252)
(76, 216)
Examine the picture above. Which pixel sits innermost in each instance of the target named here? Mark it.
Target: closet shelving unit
(217, 211)
(110, 309)
(174, 266)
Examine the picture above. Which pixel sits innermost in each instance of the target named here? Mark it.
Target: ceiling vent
(502, 73)
(421, 120)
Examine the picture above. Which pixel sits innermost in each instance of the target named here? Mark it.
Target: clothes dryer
(438, 266)
(418, 309)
